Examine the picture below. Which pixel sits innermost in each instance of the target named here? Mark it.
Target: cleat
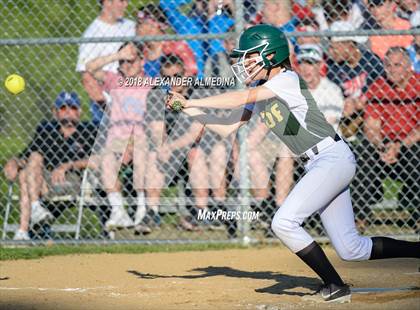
(335, 294)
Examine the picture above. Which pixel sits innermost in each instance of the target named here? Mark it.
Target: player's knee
(282, 226)
(352, 250)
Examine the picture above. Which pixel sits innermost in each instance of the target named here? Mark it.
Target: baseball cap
(309, 52)
(345, 26)
(67, 99)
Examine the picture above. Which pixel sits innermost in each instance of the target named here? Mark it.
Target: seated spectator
(185, 139)
(384, 13)
(392, 128)
(265, 153)
(327, 95)
(414, 48)
(126, 129)
(152, 22)
(204, 16)
(353, 68)
(59, 146)
(109, 23)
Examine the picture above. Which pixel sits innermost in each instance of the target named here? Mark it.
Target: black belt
(314, 149)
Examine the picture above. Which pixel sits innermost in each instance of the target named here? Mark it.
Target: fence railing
(251, 172)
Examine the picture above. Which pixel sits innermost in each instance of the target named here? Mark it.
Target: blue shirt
(415, 61)
(355, 81)
(290, 26)
(193, 24)
(152, 68)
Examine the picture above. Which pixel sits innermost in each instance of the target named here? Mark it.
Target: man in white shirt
(327, 95)
(109, 23)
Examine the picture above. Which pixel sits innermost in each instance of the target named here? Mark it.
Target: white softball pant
(324, 188)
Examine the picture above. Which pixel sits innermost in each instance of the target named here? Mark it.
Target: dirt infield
(269, 278)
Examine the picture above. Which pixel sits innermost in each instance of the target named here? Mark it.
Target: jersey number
(273, 116)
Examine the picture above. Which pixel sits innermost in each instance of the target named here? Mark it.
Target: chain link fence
(81, 147)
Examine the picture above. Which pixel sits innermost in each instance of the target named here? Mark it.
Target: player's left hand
(175, 101)
(390, 156)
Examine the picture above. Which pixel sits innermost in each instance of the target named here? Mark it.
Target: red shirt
(398, 109)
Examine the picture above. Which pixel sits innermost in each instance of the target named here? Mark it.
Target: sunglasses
(176, 75)
(65, 107)
(128, 61)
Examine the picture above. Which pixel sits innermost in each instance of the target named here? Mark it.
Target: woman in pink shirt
(126, 137)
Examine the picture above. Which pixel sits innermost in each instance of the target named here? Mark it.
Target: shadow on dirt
(283, 284)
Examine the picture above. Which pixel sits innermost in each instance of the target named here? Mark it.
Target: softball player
(285, 104)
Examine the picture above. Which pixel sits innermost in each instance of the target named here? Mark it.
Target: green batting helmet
(266, 40)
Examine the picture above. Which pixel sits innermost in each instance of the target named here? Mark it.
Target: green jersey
(292, 114)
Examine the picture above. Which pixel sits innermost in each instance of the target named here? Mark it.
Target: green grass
(39, 252)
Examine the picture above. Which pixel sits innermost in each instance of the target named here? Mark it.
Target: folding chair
(79, 200)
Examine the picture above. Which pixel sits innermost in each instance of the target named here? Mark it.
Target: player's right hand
(175, 101)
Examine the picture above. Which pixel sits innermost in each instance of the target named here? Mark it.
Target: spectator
(151, 21)
(331, 11)
(202, 18)
(392, 128)
(279, 14)
(58, 147)
(126, 132)
(406, 8)
(353, 68)
(266, 152)
(219, 64)
(384, 13)
(327, 95)
(109, 23)
(308, 25)
(414, 49)
(175, 129)
(205, 147)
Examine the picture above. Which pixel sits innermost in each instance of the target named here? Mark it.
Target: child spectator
(109, 23)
